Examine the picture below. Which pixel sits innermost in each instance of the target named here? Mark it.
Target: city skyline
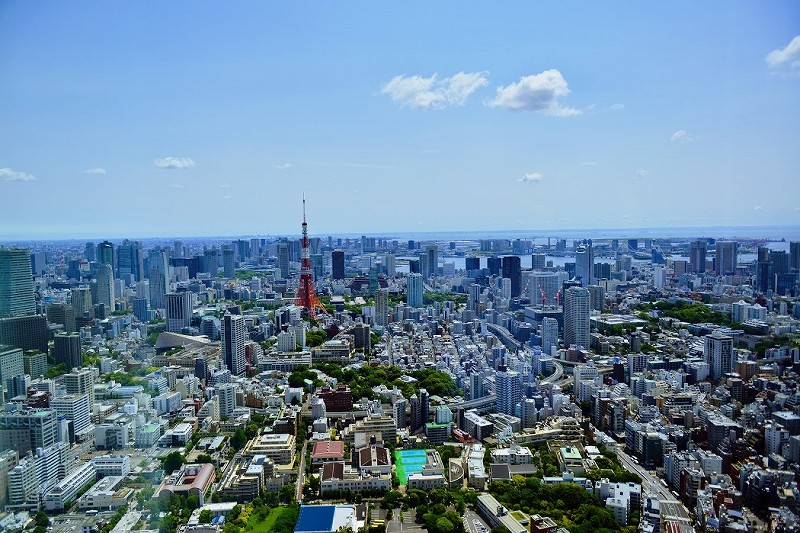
(489, 119)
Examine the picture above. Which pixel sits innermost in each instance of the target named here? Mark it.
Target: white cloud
(588, 164)
(95, 170)
(283, 166)
(538, 92)
(683, 137)
(531, 177)
(642, 173)
(418, 92)
(789, 55)
(757, 208)
(176, 185)
(174, 162)
(224, 185)
(8, 174)
(617, 107)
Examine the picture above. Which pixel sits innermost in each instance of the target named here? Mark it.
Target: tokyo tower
(306, 296)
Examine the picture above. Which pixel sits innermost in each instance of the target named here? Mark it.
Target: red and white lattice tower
(306, 296)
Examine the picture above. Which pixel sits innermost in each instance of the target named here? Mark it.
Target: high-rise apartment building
(697, 256)
(509, 390)
(179, 311)
(719, 354)
(549, 332)
(414, 288)
(16, 283)
(81, 301)
(76, 408)
(381, 307)
(80, 381)
(283, 259)
(726, 257)
(577, 304)
(233, 336)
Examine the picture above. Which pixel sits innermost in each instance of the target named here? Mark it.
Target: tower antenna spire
(306, 295)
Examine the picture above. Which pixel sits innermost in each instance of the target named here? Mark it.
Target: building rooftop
(326, 449)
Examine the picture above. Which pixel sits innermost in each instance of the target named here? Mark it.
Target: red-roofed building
(327, 451)
(189, 479)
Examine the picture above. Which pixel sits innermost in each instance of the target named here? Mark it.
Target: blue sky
(212, 118)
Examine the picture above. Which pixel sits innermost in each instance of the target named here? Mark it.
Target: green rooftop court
(409, 462)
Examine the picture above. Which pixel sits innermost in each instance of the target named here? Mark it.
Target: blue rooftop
(315, 518)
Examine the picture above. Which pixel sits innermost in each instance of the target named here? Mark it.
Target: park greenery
(362, 381)
(691, 312)
(569, 505)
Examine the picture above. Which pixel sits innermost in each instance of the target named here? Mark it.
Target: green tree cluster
(172, 462)
(569, 505)
(315, 337)
(693, 313)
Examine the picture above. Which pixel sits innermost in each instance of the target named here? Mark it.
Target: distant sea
(769, 233)
(745, 233)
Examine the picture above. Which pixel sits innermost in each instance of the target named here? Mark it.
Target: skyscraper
(414, 290)
(509, 390)
(549, 331)
(726, 259)
(283, 259)
(80, 381)
(391, 265)
(584, 263)
(158, 273)
(337, 264)
(432, 253)
(11, 366)
(228, 262)
(105, 254)
(472, 263)
(697, 256)
(494, 263)
(719, 354)
(16, 284)
(538, 261)
(179, 311)
(512, 270)
(381, 307)
(61, 313)
(81, 300)
(233, 337)
(794, 255)
(67, 350)
(105, 285)
(577, 303)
